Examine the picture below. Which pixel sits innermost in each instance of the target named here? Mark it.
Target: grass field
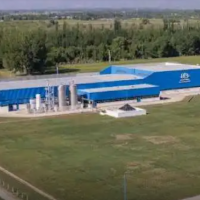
(135, 22)
(84, 157)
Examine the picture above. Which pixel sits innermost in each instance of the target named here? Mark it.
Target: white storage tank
(73, 95)
(56, 108)
(38, 102)
(62, 97)
(32, 104)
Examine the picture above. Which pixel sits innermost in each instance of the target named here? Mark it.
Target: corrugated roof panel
(58, 81)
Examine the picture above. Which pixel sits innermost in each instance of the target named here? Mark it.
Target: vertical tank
(73, 95)
(38, 102)
(28, 107)
(62, 97)
(32, 104)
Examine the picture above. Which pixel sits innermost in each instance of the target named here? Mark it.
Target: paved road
(193, 198)
(6, 195)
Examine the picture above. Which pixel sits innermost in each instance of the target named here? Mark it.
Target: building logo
(185, 78)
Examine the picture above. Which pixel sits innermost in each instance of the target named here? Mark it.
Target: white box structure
(128, 111)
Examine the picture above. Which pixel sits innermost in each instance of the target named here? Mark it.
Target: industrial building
(112, 84)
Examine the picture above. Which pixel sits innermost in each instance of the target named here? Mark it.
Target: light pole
(109, 56)
(125, 186)
(57, 69)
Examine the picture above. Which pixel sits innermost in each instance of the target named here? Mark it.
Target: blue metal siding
(125, 70)
(106, 70)
(109, 84)
(123, 94)
(172, 79)
(21, 96)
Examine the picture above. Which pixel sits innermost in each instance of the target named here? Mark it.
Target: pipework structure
(49, 98)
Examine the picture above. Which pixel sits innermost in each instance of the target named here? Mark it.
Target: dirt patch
(182, 147)
(124, 137)
(133, 164)
(158, 170)
(121, 145)
(142, 165)
(161, 139)
(158, 176)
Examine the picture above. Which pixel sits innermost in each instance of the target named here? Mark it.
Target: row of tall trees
(31, 51)
(100, 14)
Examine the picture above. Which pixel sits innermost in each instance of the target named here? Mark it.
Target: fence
(18, 188)
(15, 191)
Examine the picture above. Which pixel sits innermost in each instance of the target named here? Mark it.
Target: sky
(69, 4)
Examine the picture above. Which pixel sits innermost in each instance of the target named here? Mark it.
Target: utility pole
(109, 56)
(57, 69)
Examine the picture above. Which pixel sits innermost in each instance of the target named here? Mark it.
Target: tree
(33, 51)
(56, 56)
(1, 60)
(117, 25)
(25, 51)
(11, 51)
(64, 35)
(145, 21)
(167, 50)
(117, 48)
(102, 52)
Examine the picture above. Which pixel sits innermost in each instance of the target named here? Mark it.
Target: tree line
(34, 51)
(89, 14)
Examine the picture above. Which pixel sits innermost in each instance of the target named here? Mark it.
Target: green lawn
(84, 157)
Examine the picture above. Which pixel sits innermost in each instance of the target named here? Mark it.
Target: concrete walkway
(5, 195)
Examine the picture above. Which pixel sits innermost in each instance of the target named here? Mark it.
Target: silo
(62, 97)
(73, 95)
(32, 104)
(38, 102)
(28, 107)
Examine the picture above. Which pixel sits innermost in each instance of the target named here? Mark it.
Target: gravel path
(7, 195)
